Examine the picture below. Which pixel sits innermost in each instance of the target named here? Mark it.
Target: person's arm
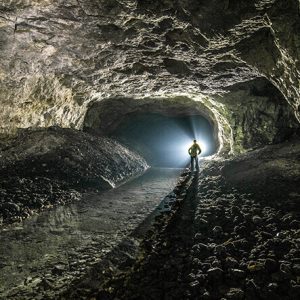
(199, 149)
(189, 151)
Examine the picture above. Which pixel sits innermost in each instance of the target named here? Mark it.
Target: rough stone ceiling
(59, 56)
(105, 116)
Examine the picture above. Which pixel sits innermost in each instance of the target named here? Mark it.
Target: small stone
(272, 286)
(257, 220)
(280, 235)
(216, 263)
(286, 268)
(196, 262)
(217, 231)
(194, 284)
(58, 269)
(198, 236)
(254, 266)
(266, 235)
(27, 280)
(215, 273)
(235, 293)
(237, 273)
(35, 281)
(231, 262)
(205, 295)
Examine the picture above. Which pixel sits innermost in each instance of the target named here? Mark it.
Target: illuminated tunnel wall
(164, 140)
(161, 130)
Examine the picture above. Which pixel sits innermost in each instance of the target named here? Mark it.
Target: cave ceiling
(58, 57)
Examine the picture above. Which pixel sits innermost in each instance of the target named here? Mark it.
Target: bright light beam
(187, 144)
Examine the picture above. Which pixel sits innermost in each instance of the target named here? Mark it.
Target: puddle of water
(46, 252)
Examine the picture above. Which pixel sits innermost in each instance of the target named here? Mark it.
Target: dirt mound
(43, 167)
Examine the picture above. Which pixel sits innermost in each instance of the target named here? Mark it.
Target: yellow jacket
(193, 150)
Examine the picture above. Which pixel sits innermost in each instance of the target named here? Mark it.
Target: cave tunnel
(100, 101)
(163, 140)
(160, 131)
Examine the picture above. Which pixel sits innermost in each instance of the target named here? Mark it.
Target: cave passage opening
(160, 129)
(164, 140)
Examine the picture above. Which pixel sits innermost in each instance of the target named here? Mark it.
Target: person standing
(194, 151)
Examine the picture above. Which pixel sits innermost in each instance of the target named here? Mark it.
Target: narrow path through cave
(42, 255)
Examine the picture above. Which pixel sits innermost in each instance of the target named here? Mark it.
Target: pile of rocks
(22, 197)
(43, 167)
(243, 249)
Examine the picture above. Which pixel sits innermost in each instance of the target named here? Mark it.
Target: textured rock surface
(91, 63)
(239, 58)
(51, 166)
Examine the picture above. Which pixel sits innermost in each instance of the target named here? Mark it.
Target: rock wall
(59, 56)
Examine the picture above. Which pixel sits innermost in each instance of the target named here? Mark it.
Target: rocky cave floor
(233, 233)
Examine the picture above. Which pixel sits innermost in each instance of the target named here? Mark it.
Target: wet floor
(42, 255)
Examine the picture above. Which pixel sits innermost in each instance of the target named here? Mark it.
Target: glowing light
(165, 140)
(187, 144)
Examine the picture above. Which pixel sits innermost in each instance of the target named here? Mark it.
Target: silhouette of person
(194, 151)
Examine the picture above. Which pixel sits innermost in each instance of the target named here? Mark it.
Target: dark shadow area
(164, 140)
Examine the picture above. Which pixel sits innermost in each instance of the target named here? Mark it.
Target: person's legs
(192, 163)
(197, 163)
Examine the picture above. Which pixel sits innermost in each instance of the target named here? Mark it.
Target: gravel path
(41, 256)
